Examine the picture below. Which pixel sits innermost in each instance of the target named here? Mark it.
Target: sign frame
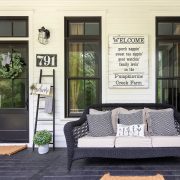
(46, 60)
(128, 61)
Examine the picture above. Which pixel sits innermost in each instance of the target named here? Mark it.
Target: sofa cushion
(133, 141)
(100, 124)
(89, 141)
(165, 141)
(130, 130)
(162, 123)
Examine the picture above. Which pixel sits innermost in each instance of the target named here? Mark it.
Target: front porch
(30, 165)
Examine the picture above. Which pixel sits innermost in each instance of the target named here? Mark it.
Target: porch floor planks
(30, 165)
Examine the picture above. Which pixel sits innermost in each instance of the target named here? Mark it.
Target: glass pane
(91, 28)
(165, 59)
(165, 90)
(91, 89)
(76, 28)
(5, 93)
(164, 28)
(19, 93)
(75, 59)
(5, 28)
(76, 93)
(177, 59)
(176, 29)
(178, 95)
(19, 28)
(22, 51)
(91, 59)
(176, 98)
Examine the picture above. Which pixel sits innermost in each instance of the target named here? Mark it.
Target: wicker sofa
(77, 129)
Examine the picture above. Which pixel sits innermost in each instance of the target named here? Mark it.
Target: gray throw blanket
(48, 104)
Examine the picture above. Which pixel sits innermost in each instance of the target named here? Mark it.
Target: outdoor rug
(109, 177)
(9, 150)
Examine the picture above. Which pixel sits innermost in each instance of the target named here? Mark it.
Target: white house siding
(118, 17)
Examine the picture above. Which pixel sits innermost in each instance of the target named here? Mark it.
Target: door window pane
(19, 93)
(5, 28)
(19, 28)
(91, 59)
(75, 59)
(22, 51)
(164, 28)
(13, 91)
(13, 27)
(91, 28)
(76, 28)
(6, 93)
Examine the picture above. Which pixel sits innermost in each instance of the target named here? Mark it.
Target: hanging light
(44, 35)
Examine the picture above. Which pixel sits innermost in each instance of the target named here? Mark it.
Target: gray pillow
(133, 118)
(162, 123)
(100, 124)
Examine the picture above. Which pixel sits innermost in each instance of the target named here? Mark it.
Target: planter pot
(43, 149)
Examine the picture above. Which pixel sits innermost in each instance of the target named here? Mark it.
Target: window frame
(81, 38)
(168, 39)
(16, 18)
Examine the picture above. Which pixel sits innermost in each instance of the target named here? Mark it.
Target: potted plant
(42, 139)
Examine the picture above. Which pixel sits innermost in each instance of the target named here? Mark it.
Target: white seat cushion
(165, 141)
(133, 141)
(89, 141)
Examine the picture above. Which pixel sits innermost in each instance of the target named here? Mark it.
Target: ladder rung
(47, 75)
(41, 108)
(41, 97)
(51, 143)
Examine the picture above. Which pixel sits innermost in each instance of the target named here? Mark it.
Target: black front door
(14, 115)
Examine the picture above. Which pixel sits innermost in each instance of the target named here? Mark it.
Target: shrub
(42, 137)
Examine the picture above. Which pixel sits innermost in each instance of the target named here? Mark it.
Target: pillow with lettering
(130, 130)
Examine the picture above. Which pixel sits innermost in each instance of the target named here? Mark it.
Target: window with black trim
(168, 60)
(82, 64)
(16, 26)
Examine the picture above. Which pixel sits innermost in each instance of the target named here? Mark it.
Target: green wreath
(13, 69)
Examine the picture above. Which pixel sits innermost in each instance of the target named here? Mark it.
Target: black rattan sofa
(76, 129)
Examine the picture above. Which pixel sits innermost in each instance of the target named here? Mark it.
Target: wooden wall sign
(128, 61)
(46, 60)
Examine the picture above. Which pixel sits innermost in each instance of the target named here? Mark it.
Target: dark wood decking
(31, 165)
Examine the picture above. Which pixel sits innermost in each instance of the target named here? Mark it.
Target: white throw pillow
(130, 130)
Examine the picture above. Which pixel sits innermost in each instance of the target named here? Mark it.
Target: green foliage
(42, 137)
(14, 68)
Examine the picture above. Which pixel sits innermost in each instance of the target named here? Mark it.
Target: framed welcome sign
(128, 61)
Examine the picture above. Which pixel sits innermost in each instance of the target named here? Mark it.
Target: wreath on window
(11, 65)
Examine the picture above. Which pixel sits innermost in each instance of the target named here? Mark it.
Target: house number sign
(128, 61)
(46, 60)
